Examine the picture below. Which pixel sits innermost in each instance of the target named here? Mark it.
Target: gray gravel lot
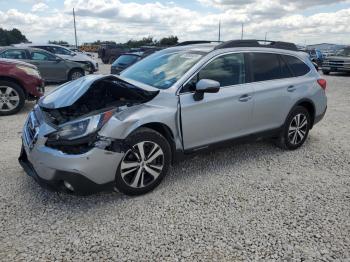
(246, 202)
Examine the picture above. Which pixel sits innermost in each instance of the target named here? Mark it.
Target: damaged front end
(79, 109)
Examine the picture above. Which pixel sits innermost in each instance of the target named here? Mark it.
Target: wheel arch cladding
(309, 105)
(165, 131)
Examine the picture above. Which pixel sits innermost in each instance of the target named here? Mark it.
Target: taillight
(322, 83)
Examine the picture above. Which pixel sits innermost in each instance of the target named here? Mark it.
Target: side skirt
(182, 155)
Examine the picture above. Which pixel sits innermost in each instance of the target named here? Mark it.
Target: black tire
(75, 74)
(4, 109)
(326, 72)
(286, 139)
(148, 136)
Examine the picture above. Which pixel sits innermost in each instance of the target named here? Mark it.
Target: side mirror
(58, 59)
(205, 86)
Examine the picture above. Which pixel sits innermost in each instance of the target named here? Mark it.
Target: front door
(50, 68)
(219, 116)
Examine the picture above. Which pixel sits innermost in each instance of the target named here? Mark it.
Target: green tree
(9, 37)
(168, 41)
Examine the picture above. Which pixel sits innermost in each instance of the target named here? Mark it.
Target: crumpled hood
(78, 57)
(68, 93)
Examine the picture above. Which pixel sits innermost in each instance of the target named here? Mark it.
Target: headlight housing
(82, 127)
(29, 70)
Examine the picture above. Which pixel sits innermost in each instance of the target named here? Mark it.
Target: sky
(298, 21)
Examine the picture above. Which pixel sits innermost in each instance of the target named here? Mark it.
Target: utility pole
(265, 36)
(75, 30)
(242, 32)
(219, 30)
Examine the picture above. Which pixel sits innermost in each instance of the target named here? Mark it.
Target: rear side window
(14, 54)
(266, 66)
(298, 67)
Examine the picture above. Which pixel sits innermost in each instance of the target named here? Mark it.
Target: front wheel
(144, 164)
(295, 129)
(75, 74)
(12, 98)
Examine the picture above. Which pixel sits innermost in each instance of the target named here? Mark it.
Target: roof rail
(194, 42)
(258, 43)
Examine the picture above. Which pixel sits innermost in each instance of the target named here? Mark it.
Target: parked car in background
(316, 56)
(124, 131)
(51, 67)
(67, 54)
(19, 81)
(110, 52)
(127, 59)
(337, 63)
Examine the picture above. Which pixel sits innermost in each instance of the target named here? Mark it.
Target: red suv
(19, 81)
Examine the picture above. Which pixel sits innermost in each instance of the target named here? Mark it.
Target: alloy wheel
(76, 75)
(9, 98)
(297, 129)
(142, 164)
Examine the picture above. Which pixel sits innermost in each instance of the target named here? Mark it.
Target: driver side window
(227, 69)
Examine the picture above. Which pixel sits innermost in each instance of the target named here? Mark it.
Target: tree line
(10, 37)
(14, 36)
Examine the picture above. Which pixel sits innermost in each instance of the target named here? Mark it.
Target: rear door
(50, 68)
(219, 116)
(274, 88)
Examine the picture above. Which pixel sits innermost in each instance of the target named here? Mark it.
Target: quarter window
(298, 67)
(228, 70)
(266, 66)
(14, 54)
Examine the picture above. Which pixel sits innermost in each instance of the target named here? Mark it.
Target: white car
(67, 54)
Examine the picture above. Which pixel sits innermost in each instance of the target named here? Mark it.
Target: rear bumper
(320, 117)
(81, 184)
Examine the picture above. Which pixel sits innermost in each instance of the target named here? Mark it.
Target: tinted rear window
(298, 67)
(267, 66)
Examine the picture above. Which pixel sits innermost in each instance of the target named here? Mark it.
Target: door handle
(245, 98)
(291, 88)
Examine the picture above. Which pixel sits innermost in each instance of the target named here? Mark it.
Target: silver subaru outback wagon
(123, 132)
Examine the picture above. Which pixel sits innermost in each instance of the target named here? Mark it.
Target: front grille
(336, 63)
(31, 130)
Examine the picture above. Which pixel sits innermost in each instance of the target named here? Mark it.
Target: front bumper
(81, 184)
(88, 172)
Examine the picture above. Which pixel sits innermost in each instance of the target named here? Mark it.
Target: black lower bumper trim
(81, 184)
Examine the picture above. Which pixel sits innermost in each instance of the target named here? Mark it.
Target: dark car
(51, 67)
(338, 63)
(19, 81)
(127, 59)
(108, 53)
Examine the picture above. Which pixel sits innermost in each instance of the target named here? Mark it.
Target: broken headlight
(83, 127)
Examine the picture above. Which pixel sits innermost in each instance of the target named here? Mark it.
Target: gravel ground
(246, 202)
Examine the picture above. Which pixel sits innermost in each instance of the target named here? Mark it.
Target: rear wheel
(296, 129)
(12, 98)
(75, 74)
(145, 163)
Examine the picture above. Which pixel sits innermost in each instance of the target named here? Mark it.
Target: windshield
(125, 60)
(344, 52)
(162, 70)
